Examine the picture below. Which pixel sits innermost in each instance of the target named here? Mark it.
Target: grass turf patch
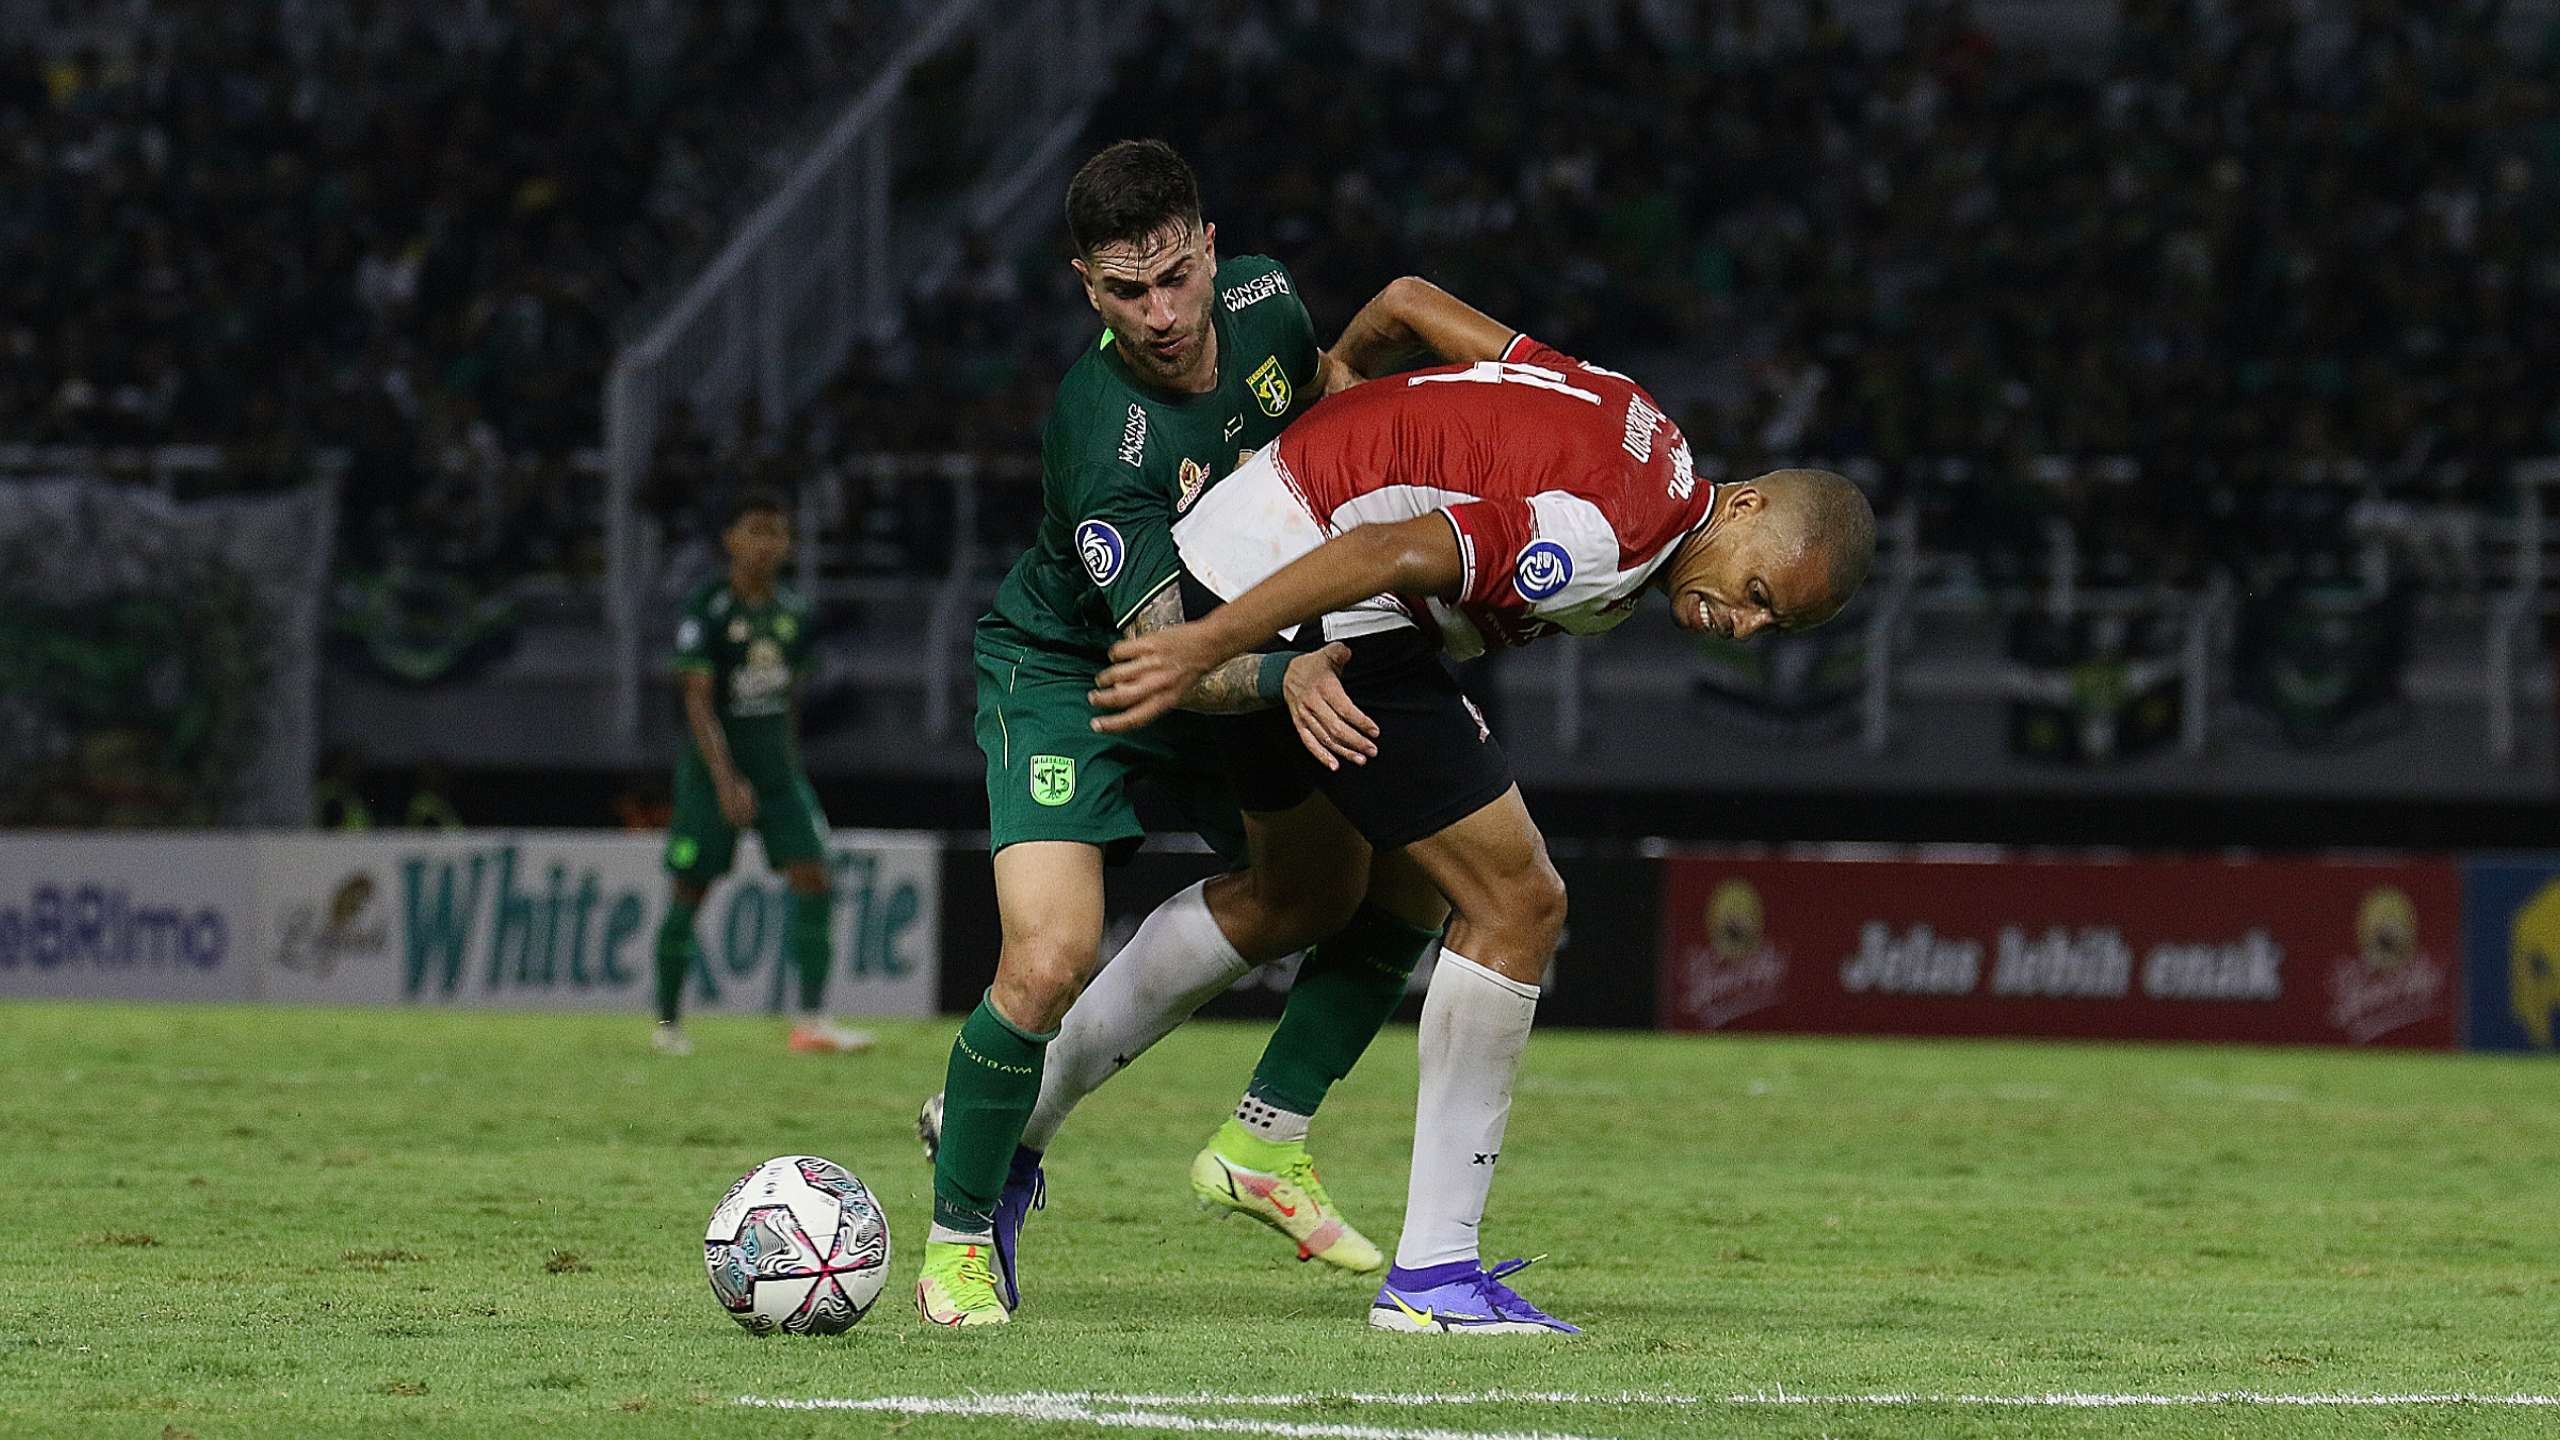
(245, 1221)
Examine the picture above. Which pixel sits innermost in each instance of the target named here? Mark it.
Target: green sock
(1346, 990)
(675, 956)
(804, 939)
(987, 1095)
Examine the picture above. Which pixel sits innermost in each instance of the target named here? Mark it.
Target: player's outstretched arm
(1308, 686)
(1411, 315)
(1150, 673)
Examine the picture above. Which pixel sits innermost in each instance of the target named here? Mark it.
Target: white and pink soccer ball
(797, 1245)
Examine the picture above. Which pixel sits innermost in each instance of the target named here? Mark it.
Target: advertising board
(132, 917)
(569, 920)
(2294, 952)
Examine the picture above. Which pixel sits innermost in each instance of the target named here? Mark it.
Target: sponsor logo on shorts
(1543, 570)
(1270, 386)
(1053, 779)
(1100, 547)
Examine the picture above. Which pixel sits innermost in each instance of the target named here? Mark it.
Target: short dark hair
(1128, 192)
(756, 500)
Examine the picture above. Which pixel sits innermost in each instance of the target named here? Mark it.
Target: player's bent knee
(1036, 981)
(1533, 904)
(1300, 916)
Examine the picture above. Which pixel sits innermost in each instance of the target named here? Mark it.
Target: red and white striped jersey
(1566, 485)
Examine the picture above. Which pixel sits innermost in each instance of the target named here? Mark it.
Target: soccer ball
(797, 1245)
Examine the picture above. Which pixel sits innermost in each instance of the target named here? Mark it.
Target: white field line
(1058, 1408)
(1169, 1412)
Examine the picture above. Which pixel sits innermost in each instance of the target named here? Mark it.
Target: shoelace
(973, 1267)
(1500, 1296)
(1302, 1173)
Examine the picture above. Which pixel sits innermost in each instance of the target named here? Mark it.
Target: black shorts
(1437, 763)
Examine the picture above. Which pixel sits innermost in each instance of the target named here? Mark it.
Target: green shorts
(701, 843)
(1052, 776)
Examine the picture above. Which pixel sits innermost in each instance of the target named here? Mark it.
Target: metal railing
(989, 507)
(2506, 557)
(821, 265)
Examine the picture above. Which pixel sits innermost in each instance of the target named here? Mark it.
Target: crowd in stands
(398, 229)
(2237, 243)
(2229, 247)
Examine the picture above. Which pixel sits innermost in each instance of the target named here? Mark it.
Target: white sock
(1270, 1122)
(1475, 1024)
(1176, 963)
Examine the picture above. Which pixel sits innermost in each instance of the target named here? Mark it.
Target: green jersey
(1120, 459)
(753, 654)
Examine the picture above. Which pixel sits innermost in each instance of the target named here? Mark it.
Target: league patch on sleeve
(1102, 552)
(1543, 569)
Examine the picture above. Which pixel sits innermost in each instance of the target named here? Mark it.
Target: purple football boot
(1460, 1298)
(1026, 1189)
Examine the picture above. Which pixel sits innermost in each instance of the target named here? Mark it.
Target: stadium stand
(403, 232)
(2145, 317)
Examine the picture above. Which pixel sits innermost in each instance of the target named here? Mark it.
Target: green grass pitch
(261, 1222)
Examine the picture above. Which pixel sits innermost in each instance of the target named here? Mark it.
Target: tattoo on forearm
(1229, 689)
(1164, 610)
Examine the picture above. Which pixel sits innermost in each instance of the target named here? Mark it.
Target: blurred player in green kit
(739, 652)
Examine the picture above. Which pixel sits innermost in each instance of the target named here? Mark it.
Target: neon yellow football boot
(958, 1286)
(1277, 1184)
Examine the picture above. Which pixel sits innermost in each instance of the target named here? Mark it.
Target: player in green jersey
(1202, 364)
(740, 649)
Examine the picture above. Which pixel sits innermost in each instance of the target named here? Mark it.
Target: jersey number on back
(1506, 372)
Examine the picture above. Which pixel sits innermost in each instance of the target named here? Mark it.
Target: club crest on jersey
(1099, 546)
(1543, 570)
(1270, 386)
(1193, 478)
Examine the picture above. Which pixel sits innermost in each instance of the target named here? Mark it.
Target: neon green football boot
(1276, 1183)
(958, 1286)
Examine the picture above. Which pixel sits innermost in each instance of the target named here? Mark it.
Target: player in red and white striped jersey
(1488, 503)
(1565, 493)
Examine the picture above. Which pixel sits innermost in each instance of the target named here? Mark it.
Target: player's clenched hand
(737, 800)
(1149, 674)
(1329, 725)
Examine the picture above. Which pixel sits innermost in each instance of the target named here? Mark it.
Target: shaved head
(1836, 522)
(1783, 551)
